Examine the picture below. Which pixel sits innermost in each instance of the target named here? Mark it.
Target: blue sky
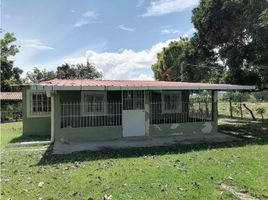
(121, 37)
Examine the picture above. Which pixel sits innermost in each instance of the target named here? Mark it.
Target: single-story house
(89, 110)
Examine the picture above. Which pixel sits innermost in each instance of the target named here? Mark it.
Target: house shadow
(254, 134)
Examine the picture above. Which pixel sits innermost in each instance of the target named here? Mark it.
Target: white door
(133, 123)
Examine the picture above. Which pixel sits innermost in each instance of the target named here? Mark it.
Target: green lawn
(223, 108)
(176, 172)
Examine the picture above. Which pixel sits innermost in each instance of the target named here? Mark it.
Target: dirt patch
(236, 192)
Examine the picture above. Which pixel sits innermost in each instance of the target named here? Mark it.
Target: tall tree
(238, 34)
(38, 75)
(185, 62)
(79, 71)
(9, 74)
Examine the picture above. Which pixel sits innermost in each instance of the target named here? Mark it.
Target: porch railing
(80, 115)
(192, 111)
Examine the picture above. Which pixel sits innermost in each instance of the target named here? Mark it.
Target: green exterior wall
(182, 128)
(42, 125)
(33, 125)
(81, 134)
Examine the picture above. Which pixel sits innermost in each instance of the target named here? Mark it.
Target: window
(94, 103)
(39, 104)
(171, 102)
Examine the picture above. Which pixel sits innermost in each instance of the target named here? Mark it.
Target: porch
(117, 114)
(143, 142)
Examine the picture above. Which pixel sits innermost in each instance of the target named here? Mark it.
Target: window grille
(40, 104)
(191, 111)
(133, 100)
(171, 102)
(72, 115)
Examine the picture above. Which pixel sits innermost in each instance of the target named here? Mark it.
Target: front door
(133, 113)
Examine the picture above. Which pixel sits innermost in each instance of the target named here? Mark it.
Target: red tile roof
(10, 96)
(123, 83)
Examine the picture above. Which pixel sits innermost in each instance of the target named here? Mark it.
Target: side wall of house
(33, 125)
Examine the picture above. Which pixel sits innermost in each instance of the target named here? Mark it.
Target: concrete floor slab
(65, 148)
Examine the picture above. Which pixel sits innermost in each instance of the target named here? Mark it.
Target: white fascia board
(48, 87)
(67, 87)
(103, 88)
(93, 88)
(113, 88)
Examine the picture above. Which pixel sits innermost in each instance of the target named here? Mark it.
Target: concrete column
(147, 112)
(55, 115)
(215, 108)
(52, 119)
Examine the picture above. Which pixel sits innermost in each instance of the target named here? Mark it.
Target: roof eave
(212, 87)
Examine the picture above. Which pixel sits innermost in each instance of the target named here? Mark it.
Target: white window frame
(29, 99)
(163, 93)
(93, 93)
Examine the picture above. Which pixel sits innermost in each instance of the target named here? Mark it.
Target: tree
(9, 74)
(66, 71)
(79, 71)
(238, 31)
(261, 111)
(186, 61)
(40, 75)
(87, 71)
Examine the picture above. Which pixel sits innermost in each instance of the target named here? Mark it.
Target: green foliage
(260, 111)
(264, 18)
(79, 71)
(65, 71)
(40, 75)
(186, 61)
(233, 28)
(9, 74)
(11, 111)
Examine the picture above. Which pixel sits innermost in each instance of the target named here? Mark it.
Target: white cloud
(81, 22)
(73, 11)
(170, 31)
(90, 14)
(124, 28)
(123, 65)
(143, 76)
(190, 32)
(88, 17)
(163, 7)
(34, 43)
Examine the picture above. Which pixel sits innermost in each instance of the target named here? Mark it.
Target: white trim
(163, 102)
(93, 93)
(104, 88)
(29, 105)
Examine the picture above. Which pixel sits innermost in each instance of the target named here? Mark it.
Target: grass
(175, 172)
(223, 108)
(12, 132)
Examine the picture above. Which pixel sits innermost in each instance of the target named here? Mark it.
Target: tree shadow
(251, 130)
(243, 130)
(49, 158)
(30, 138)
